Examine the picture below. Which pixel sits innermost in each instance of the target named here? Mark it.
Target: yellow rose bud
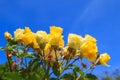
(18, 34)
(7, 35)
(89, 50)
(41, 37)
(74, 41)
(104, 58)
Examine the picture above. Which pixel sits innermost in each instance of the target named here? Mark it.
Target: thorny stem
(92, 65)
(85, 72)
(75, 60)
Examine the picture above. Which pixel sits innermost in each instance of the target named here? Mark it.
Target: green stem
(48, 73)
(44, 66)
(25, 51)
(67, 65)
(9, 64)
(63, 69)
(56, 55)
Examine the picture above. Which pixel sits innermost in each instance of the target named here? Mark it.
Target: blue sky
(99, 18)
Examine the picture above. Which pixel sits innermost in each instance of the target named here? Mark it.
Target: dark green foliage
(90, 77)
(32, 72)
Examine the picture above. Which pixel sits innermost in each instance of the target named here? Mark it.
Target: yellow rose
(41, 37)
(104, 58)
(74, 41)
(56, 30)
(18, 34)
(55, 40)
(89, 38)
(28, 36)
(7, 35)
(89, 50)
(55, 37)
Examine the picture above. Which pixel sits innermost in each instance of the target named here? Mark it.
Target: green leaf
(34, 63)
(25, 55)
(35, 66)
(90, 77)
(12, 76)
(12, 42)
(77, 69)
(10, 47)
(2, 68)
(53, 79)
(33, 76)
(68, 76)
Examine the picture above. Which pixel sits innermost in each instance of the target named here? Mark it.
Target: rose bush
(43, 56)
